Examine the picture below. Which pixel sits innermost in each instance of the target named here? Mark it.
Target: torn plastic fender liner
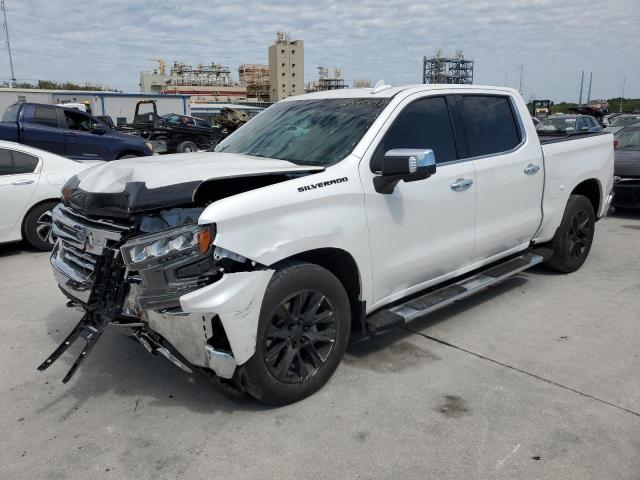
(236, 298)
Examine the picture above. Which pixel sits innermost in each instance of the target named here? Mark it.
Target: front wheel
(302, 335)
(572, 242)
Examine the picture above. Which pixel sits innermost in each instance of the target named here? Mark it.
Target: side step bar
(427, 303)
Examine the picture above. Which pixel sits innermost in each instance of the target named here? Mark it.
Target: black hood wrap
(135, 198)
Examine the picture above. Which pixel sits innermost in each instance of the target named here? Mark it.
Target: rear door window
(422, 124)
(489, 123)
(46, 116)
(14, 163)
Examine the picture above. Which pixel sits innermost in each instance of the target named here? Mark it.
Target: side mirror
(405, 164)
(98, 129)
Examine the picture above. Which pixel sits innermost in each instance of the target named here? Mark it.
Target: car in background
(68, 132)
(30, 184)
(568, 125)
(621, 121)
(627, 167)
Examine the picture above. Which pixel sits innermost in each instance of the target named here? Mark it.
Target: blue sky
(109, 42)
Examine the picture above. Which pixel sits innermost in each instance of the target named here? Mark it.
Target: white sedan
(30, 184)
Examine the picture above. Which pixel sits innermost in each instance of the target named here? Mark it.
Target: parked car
(622, 121)
(568, 125)
(627, 167)
(68, 132)
(30, 183)
(333, 215)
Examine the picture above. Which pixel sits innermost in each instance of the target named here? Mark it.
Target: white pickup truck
(329, 216)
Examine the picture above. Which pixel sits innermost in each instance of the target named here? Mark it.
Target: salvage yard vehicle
(330, 216)
(172, 133)
(627, 167)
(621, 121)
(568, 125)
(68, 132)
(30, 183)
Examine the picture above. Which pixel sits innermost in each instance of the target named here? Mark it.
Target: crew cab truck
(329, 216)
(68, 132)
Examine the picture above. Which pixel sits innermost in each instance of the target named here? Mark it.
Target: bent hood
(127, 186)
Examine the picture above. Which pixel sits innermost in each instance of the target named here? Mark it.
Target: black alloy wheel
(579, 234)
(300, 336)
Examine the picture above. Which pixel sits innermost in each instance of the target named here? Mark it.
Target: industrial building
(119, 106)
(255, 78)
(203, 83)
(440, 69)
(286, 67)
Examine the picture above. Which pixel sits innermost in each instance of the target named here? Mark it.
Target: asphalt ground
(536, 378)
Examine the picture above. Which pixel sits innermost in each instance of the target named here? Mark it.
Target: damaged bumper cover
(203, 303)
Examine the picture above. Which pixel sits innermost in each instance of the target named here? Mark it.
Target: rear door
(82, 142)
(40, 128)
(19, 174)
(509, 170)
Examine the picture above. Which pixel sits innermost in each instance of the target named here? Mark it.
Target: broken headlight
(191, 240)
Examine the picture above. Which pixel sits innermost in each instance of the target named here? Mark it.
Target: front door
(424, 229)
(81, 140)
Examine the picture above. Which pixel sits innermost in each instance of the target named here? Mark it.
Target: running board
(429, 302)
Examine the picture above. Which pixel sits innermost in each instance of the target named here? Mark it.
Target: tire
(186, 147)
(128, 155)
(294, 357)
(572, 242)
(36, 227)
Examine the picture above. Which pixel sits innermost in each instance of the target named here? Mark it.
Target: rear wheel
(572, 241)
(37, 226)
(128, 155)
(303, 332)
(186, 147)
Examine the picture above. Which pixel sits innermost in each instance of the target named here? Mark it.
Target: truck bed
(546, 138)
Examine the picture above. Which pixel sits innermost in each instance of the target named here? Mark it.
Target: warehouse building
(119, 106)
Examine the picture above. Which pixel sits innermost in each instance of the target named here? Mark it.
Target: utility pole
(581, 85)
(589, 91)
(624, 80)
(6, 29)
(521, 77)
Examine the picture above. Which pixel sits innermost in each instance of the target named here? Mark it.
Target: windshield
(561, 124)
(628, 139)
(625, 121)
(310, 132)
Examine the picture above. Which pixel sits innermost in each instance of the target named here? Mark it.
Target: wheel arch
(30, 209)
(137, 153)
(341, 264)
(591, 189)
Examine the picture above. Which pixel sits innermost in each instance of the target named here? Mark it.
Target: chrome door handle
(461, 184)
(22, 182)
(531, 169)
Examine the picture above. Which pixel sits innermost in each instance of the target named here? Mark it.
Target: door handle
(22, 182)
(531, 169)
(461, 184)
(71, 134)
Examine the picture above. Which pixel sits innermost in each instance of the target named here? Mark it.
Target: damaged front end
(161, 275)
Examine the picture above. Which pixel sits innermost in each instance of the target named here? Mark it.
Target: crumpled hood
(127, 186)
(164, 170)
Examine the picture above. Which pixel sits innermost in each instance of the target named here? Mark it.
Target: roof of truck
(390, 91)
